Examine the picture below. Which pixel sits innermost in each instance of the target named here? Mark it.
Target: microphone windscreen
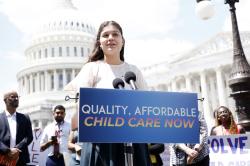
(129, 76)
(118, 82)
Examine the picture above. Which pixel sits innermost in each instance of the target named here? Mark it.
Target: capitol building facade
(204, 70)
(64, 40)
(54, 57)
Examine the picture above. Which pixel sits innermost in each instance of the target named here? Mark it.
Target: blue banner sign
(117, 116)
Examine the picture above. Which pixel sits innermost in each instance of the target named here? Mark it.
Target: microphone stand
(128, 147)
(128, 152)
(130, 78)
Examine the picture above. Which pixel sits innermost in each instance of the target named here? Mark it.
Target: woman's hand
(78, 149)
(191, 152)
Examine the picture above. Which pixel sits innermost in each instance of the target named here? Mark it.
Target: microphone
(118, 83)
(130, 78)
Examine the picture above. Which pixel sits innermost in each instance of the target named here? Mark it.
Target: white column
(220, 87)
(26, 84)
(49, 51)
(173, 85)
(71, 51)
(182, 85)
(188, 83)
(42, 82)
(42, 53)
(46, 81)
(64, 77)
(55, 80)
(64, 53)
(213, 93)
(31, 83)
(204, 91)
(40, 124)
(79, 51)
(56, 48)
(73, 74)
(169, 87)
(38, 82)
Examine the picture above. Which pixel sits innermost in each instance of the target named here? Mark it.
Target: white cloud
(23, 14)
(10, 63)
(140, 17)
(12, 56)
(146, 24)
(152, 51)
(142, 21)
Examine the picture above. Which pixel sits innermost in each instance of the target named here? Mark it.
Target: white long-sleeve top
(99, 74)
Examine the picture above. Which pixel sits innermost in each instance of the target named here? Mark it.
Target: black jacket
(23, 136)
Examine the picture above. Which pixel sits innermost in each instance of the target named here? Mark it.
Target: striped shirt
(204, 148)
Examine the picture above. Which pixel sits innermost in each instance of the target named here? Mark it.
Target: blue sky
(154, 30)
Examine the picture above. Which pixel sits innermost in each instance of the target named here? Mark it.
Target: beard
(14, 104)
(59, 120)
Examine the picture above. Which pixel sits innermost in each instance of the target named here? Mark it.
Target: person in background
(55, 137)
(192, 154)
(155, 150)
(106, 63)
(15, 131)
(225, 123)
(74, 147)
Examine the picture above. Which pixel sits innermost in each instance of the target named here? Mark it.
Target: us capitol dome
(54, 57)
